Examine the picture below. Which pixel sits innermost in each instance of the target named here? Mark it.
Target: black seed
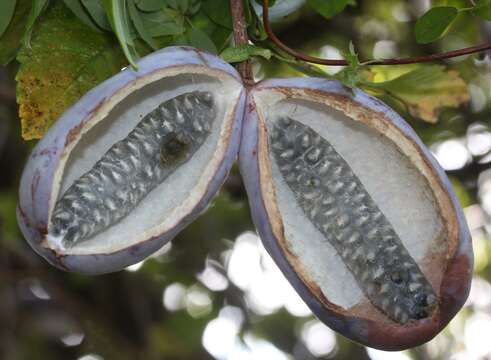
(420, 314)
(397, 277)
(420, 299)
(174, 148)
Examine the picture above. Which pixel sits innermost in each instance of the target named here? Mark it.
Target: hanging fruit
(355, 211)
(347, 200)
(133, 162)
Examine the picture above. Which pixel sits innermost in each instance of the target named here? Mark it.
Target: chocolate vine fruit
(133, 162)
(355, 211)
(347, 200)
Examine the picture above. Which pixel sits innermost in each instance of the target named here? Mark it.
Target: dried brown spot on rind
(336, 202)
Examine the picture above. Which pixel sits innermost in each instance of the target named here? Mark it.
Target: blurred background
(214, 293)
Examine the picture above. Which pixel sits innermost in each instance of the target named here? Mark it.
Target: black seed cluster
(336, 202)
(163, 140)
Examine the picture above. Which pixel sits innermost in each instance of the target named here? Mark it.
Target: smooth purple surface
(363, 331)
(37, 178)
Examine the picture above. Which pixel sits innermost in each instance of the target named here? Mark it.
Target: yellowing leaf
(379, 74)
(427, 90)
(65, 60)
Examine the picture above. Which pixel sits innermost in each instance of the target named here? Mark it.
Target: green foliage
(244, 52)
(461, 192)
(329, 8)
(97, 13)
(350, 75)
(482, 8)
(137, 21)
(426, 90)
(158, 23)
(431, 26)
(141, 26)
(151, 5)
(6, 13)
(219, 35)
(66, 58)
(219, 12)
(37, 8)
(10, 40)
(199, 39)
(8, 222)
(162, 23)
(79, 10)
(119, 20)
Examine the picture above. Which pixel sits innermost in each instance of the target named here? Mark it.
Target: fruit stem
(241, 38)
(396, 61)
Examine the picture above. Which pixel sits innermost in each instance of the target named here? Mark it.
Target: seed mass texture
(355, 211)
(164, 139)
(347, 200)
(335, 201)
(133, 162)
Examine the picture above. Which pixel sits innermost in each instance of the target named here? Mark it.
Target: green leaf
(65, 60)
(8, 224)
(118, 18)
(426, 90)
(37, 8)
(482, 8)
(329, 8)
(185, 7)
(7, 8)
(194, 7)
(10, 41)
(180, 5)
(218, 34)
(78, 9)
(431, 26)
(138, 23)
(350, 75)
(174, 15)
(244, 52)
(151, 5)
(97, 12)
(159, 23)
(165, 29)
(219, 12)
(200, 40)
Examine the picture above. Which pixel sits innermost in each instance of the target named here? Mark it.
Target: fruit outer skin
(38, 176)
(455, 284)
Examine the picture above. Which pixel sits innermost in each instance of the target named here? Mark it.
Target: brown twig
(396, 61)
(241, 38)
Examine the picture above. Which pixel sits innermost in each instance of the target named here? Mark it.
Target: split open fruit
(349, 203)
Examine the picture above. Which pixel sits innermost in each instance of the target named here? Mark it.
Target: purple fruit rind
(37, 179)
(330, 86)
(120, 259)
(456, 280)
(249, 170)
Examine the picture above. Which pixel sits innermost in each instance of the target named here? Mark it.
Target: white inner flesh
(393, 182)
(164, 206)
